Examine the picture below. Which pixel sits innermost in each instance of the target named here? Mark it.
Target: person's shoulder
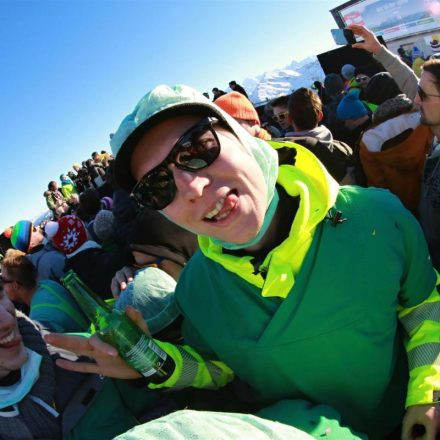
(51, 285)
(370, 196)
(376, 203)
(50, 251)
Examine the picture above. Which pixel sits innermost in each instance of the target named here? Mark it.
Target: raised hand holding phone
(343, 37)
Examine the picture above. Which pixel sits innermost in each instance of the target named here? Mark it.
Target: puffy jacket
(393, 156)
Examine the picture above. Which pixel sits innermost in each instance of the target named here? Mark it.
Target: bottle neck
(88, 301)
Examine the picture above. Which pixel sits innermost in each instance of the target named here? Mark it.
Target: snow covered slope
(283, 81)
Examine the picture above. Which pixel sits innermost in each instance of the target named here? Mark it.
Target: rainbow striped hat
(21, 235)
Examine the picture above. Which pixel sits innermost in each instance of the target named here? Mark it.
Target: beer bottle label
(145, 356)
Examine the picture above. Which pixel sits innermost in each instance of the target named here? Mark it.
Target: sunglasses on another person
(196, 149)
(423, 95)
(361, 78)
(280, 116)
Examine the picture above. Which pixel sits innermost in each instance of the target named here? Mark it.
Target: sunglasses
(423, 95)
(280, 116)
(196, 149)
(361, 78)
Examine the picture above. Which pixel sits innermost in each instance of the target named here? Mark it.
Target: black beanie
(380, 88)
(333, 84)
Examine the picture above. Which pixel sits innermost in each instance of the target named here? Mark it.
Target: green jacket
(53, 306)
(68, 189)
(334, 338)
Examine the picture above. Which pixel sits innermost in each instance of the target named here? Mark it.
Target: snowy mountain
(283, 81)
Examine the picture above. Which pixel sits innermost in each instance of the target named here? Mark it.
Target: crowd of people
(286, 267)
(90, 174)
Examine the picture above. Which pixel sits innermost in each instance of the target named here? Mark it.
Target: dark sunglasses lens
(198, 149)
(280, 117)
(156, 190)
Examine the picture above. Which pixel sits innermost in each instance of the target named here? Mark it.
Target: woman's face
(12, 352)
(226, 200)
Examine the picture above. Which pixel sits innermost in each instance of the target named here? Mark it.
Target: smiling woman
(12, 352)
(27, 381)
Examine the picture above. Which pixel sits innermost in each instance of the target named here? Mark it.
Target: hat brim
(122, 170)
(159, 252)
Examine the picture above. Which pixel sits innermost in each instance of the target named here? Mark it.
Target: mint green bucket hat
(157, 105)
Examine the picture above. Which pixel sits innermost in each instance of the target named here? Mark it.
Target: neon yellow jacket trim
(309, 180)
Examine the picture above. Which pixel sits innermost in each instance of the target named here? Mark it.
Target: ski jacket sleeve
(192, 370)
(419, 314)
(422, 325)
(404, 76)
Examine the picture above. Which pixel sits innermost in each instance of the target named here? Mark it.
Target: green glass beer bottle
(115, 328)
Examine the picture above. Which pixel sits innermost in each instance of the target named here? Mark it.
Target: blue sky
(72, 69)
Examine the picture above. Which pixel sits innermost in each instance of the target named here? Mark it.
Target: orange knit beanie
(238, 106)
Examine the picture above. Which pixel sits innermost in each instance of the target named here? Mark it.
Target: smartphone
(343, 37)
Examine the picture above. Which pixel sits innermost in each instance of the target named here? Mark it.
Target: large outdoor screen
(391, 18)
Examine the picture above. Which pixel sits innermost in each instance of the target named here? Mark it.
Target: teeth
(216, 210)
(224, 215)
(7, 339)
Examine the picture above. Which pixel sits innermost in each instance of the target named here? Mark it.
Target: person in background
(305, 115)
(356, 116)
(27, 378)
(347, 72)
(94, 265)
(67, 187)
(217, 93)
(29, 239)
(124, 209)
(89, 206)
(393, 150)
(94, 170)
(334, 87)
(155, 240)
(104, 231)
(380, 88)
(107, 203)
(96, 158)
(404, 56)
(242, 110)
(55, 200)
(426, 96)
(39, 400)
(281, 114)
(417, 66)
(83, 180)
(318, 88)
(362, 79)
(48, 302)
(237, 88)
(105, 158)
(50, 204)
(5, 241)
